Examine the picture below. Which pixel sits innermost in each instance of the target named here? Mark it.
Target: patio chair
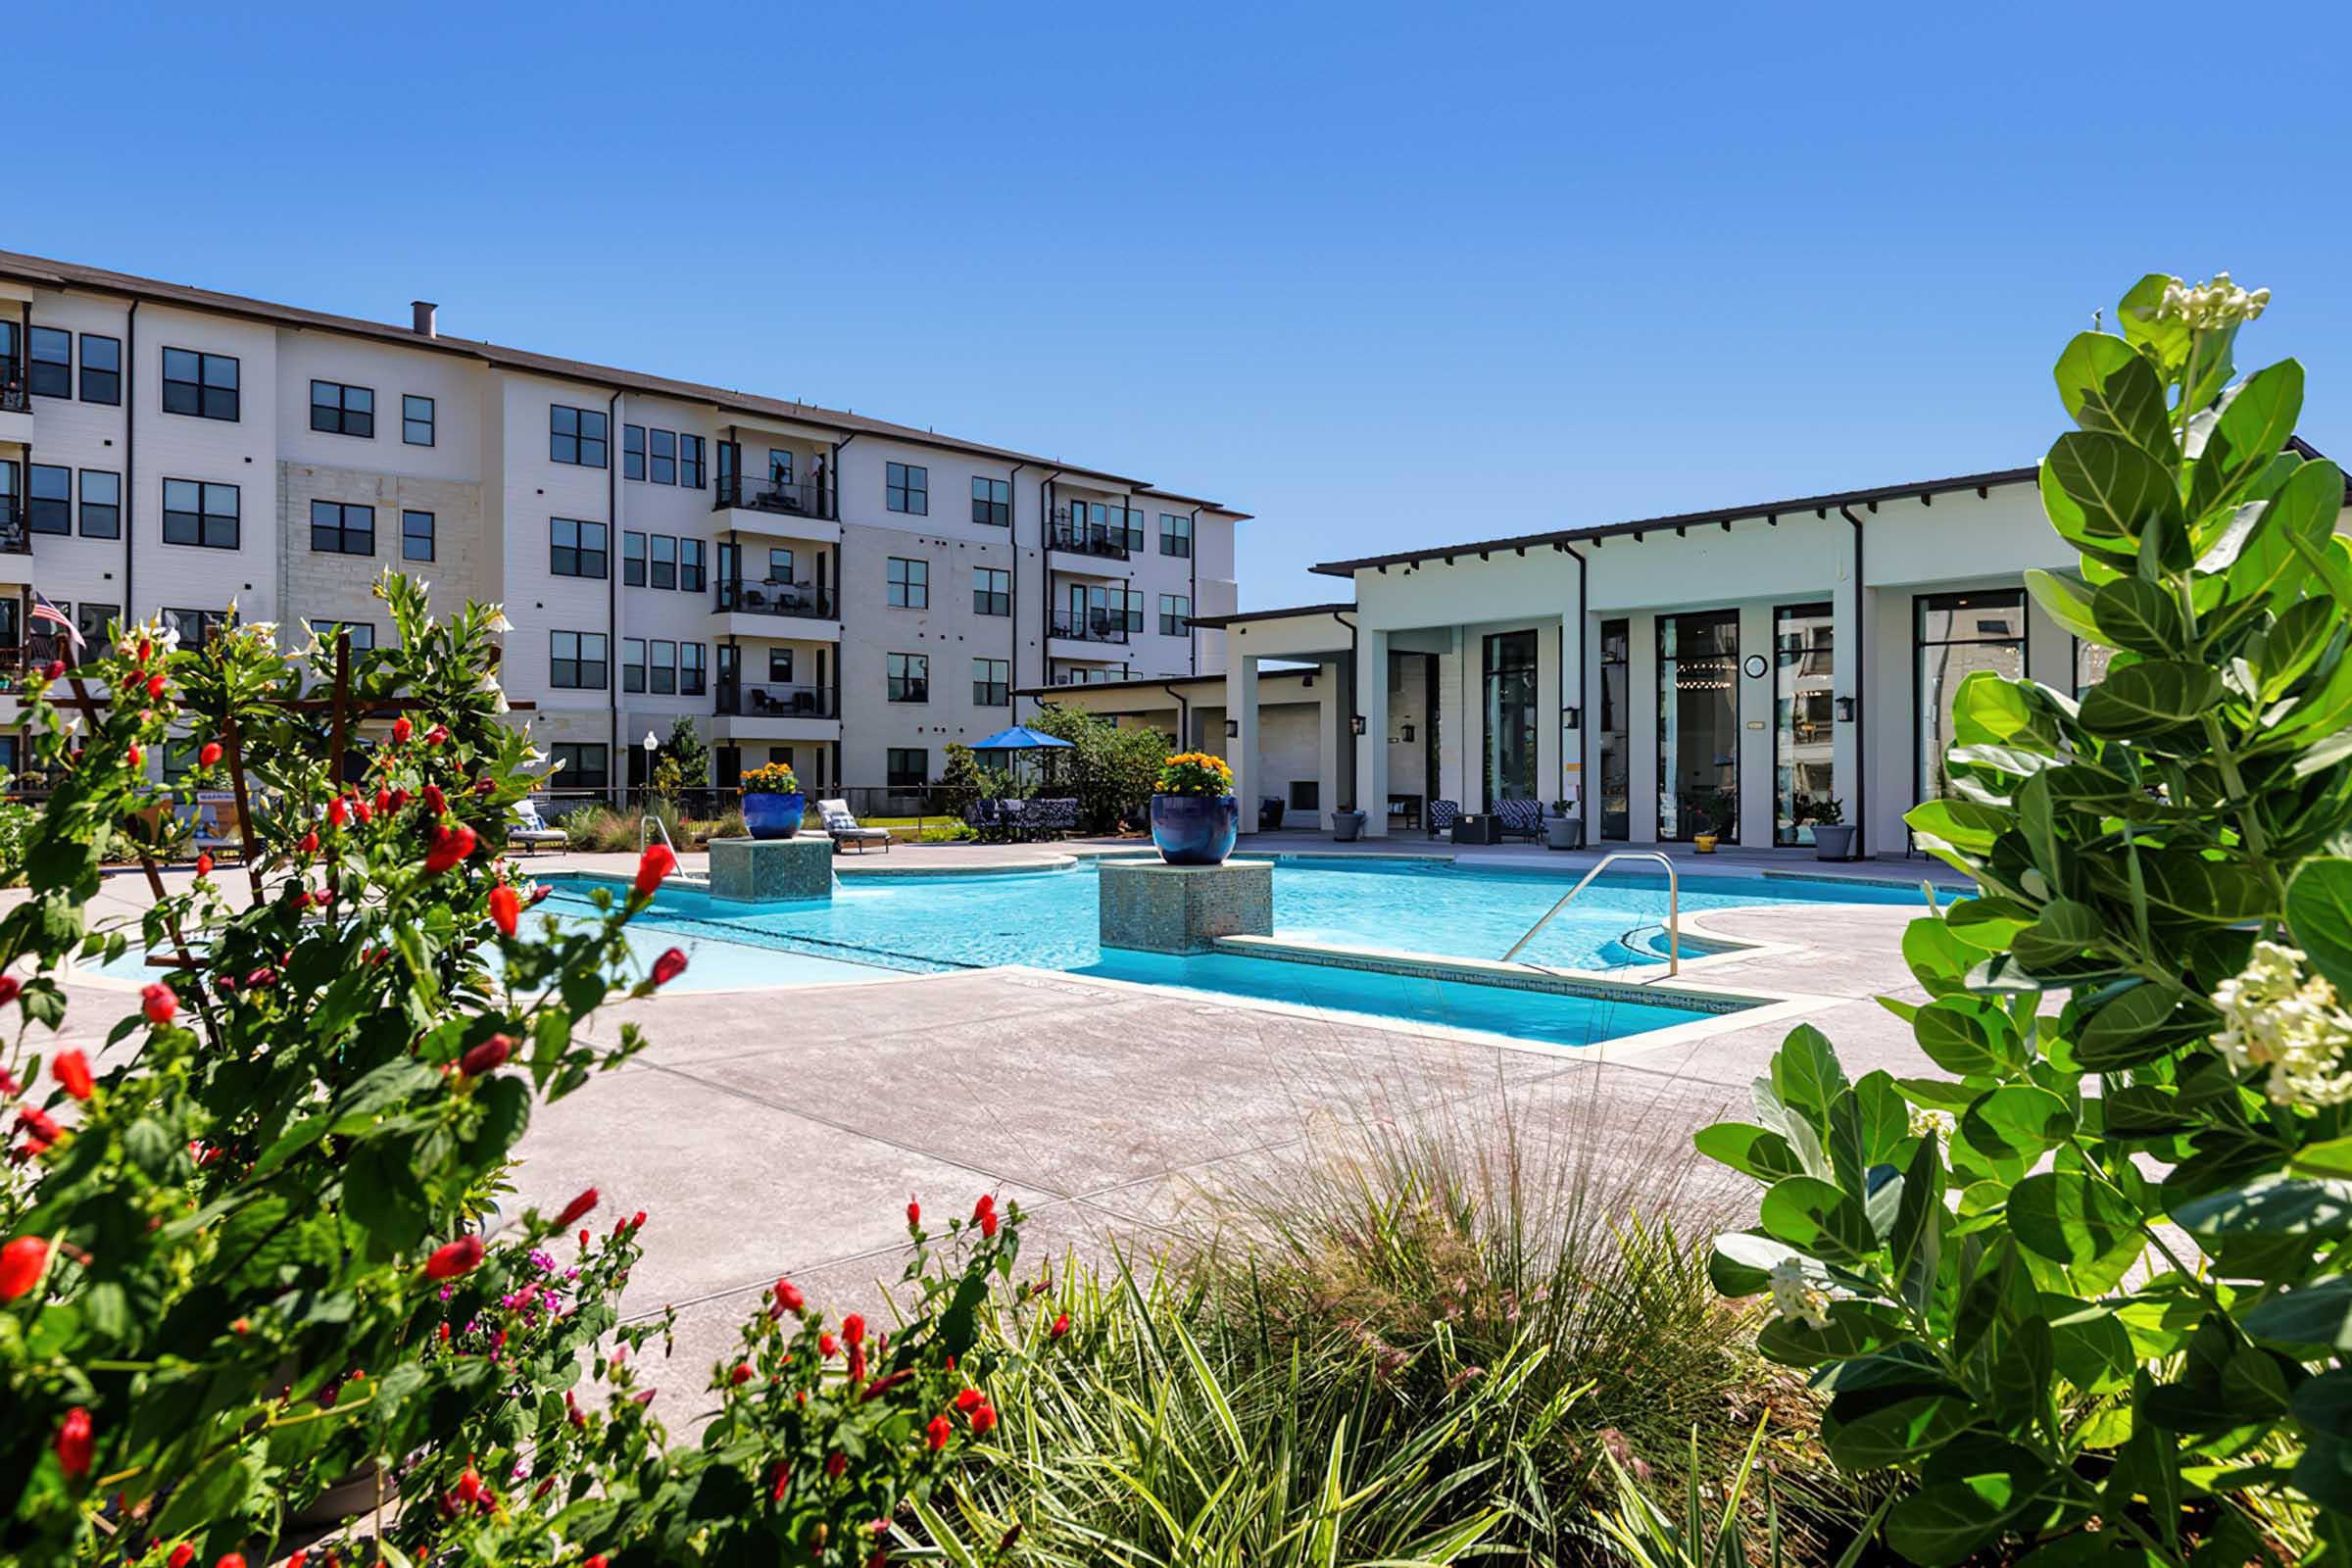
(531, 830)
(1269, 812)
(1522, 820)
(1051, 818)
(1442, 814)
(842, 827)
(1012, 819)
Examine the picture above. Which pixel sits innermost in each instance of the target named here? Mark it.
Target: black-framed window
(202, 387)
(690, 462)
(692, 579)
(1135, 529)
(419, 420)
(50, 370)
(578, 436)
(415, 536)
(100, 503)
(906, 767)
(2091, 665)
(576, 549)
(991, 683)
(907, 487)
(92, 621)
(340, 529)
(49, 498)
(1698, 727)
(992, 590)
(991, 501)
(632, 664)
(1175, 534)
(576, 661)
(662, 666)
(633, 452)
(663, 561)
(1954, 636)
(579, 765)
(1804, 718)
(779, 665)
(101, 368)
(1175, 615)
(693, 669)
(906, 583)
(909, 676)
(1509, 764)
(196, 627)
(200, 512)
(780, 564)
(326, 629)
(632, 559)
(1615, 662)
(341, 409)
(661, 456)
(1133, 607)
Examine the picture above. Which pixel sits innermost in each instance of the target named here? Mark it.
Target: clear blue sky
(1383, 276)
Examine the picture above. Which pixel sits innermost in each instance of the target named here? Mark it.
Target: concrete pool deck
(780, 1132)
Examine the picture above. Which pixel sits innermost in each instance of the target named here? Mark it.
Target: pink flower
(158, 1003)
(486, 1056)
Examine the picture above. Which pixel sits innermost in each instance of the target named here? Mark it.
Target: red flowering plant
(229, 1238)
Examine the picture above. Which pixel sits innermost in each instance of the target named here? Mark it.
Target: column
(1372, 746)
(1331, 718)
(1846, 651)
(1241, 746)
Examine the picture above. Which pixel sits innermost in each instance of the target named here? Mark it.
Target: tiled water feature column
(1185, 908)
(758, 870)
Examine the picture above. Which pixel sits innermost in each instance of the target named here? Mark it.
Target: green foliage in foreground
(2090, 1286)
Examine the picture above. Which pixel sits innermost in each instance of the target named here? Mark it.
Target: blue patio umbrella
(1022, 738)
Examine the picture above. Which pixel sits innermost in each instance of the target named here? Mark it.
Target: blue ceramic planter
(1195, 830)
(773, 816)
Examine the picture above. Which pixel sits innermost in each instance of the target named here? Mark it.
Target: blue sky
(1383, 276)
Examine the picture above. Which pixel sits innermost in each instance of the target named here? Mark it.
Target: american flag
(43, 609)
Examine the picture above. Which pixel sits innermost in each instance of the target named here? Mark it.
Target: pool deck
(780, 1133)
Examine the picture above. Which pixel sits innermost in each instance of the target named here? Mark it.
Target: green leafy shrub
(1111, 769)
(2093, 1280)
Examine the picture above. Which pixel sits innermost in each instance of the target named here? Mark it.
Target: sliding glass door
(1699, 726)
(1510, 677)
(1803, 713)
(1616, 753)
(1955, 635)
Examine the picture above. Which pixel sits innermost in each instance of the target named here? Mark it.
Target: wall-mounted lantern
(1572, 718)
(1233, 729)
(1846, 710)
(1355, 725)
(1408, 732)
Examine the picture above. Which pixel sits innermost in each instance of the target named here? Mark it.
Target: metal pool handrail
(1674, 906)
(649, 824)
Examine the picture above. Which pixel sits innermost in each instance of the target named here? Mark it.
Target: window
(203, 386)
(1954, 636)
(1134, 530)
(909, 583)
(693, 670)
(1804, 718)
(779, 666)
(632, 664)
(690, 462)
(632, 559)
(49, 498)
(415, 536)
(991, 501)
(906, 488)
(416, 417)
(340, 530)
(577, 548)
(1175, 615)
(1616, 713)
(1175, 534)
(1134, 609)
(92, 621)
(196, 627)
(780, 465)
(1306, 795)
(663, 667)
(340, 409)
(992, 682)
(906, 767)
(576, 435)
(633, 452)
(576, 662)
(909, 677)
(992, 590)
(665, 560)
(41, 643)
(779, 565)
(691, 577)
(101, 368)
(51, 372)
(1699, 726)
(326, 629)
(662, 465)
(579, 766)
(100, 503)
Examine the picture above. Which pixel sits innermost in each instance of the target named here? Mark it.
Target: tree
(1111, 770)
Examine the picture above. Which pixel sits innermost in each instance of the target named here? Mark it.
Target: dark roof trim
(44, 272)
(1154, 683)
(1610, 530)
(1274, 615)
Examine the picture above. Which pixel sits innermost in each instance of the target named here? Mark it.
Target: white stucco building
(814, 586)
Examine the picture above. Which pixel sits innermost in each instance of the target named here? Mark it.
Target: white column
(1332, 730)
(1641, 740)
(1758, 743)
(1846, 648)
(1240, 747)
(1550, 681)
(1372, 746)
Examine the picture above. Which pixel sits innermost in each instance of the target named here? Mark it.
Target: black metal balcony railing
(800, 599)
(1109, 543)
(16, 538)
(792, 498)
(1094, 626)
(759, 699)
(15, 396)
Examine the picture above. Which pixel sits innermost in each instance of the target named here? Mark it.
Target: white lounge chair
(530, 830)
(844, 829)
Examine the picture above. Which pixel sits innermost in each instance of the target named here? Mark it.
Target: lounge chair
(530, 830)
(842, 827)
(1442, 814)
(1523, 819)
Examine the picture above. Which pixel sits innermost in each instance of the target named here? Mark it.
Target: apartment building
(808, 585)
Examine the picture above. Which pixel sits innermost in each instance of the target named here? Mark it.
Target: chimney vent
(425, 310)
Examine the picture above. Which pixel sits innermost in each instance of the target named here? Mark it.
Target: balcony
(16, 404)
(752, 699)
(787, 498)
(1092, 627)
(16, 538)
(1090, 540)
(797, 600)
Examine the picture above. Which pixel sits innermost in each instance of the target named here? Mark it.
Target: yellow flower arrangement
(770, 778)
(1195, 773)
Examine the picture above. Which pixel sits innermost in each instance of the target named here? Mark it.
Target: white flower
(1930, 1123)
(1793, 1299)
(2297, 1027)
(2206, 307)
(498, 619)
